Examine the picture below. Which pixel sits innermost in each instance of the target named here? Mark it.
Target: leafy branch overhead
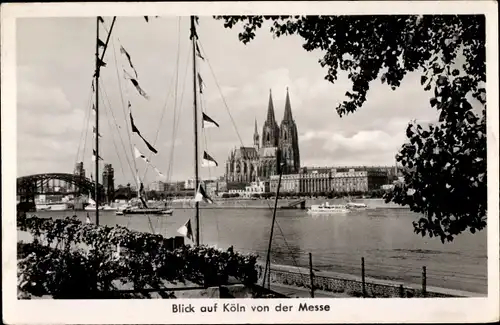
(445, 163)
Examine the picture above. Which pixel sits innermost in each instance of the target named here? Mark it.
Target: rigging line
(117, 129)
(85, 137)
(171, 160)
(170, 89)
(288, 246)
(103, 92)
(286, 243)
(222, 96)
(123, 107)
(85, 121)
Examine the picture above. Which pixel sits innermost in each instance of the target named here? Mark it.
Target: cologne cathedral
(279, 147)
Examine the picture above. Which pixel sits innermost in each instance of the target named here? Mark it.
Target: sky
(55, 63)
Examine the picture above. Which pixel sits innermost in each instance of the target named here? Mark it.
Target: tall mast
(97, 67)
(195, 112)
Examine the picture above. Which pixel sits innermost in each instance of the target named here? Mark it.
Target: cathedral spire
(270, 109)
(288, 108)
(256, 136)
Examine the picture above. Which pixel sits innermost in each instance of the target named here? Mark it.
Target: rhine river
(384, 237)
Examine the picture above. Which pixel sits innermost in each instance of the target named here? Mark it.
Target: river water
(383, 236)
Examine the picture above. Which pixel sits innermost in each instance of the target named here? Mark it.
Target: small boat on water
(137, 210)
(356, 206)
(55, 206)
(326, 208)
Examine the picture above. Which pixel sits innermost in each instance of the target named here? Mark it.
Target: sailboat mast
(195, 107)
(97, 124)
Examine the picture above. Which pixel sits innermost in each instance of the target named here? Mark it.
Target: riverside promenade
(295, 282)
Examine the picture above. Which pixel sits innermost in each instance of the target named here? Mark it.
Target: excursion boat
(356, 206)
(138, 210)
(326, 208)
(52, 207)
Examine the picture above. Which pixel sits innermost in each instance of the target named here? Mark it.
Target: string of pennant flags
(101, 48)
(207, 122)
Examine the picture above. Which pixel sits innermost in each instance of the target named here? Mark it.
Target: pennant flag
(186, 230)
(100, 19)
(196, 19)
(136, 84)
(100, 43)
(202, 85)
(159, 172)
(94, 154)
(123, 51)
(208, 161)
(95, 132)
(193, 33)
(136, 130)
(138, 154)
(202, 196)
(101, 63)
(208, 122)
(146, 18)
(198, 52)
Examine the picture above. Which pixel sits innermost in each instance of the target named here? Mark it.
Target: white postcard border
(349, 310)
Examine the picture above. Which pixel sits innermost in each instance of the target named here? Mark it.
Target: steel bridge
(29, 186)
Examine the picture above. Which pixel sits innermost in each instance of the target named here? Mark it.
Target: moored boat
(137, 210)
(326, 208)
(356, 206)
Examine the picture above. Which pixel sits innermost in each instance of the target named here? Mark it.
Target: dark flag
(101, 63)
(202, 85)
(100, 43)
(123, 51)
(94, 154)
(146, 18)
(136, 130)
(208, 122)
(100, 19)
(208, 161)
(136, 85)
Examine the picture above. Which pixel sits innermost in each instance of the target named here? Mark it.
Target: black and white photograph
(249, 165)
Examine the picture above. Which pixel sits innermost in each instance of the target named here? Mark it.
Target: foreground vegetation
(69, 259)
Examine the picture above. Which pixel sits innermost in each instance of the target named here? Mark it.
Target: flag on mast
(202, 84)
(186, 230)
(208, 122)
(208, 161)
(94, 154)
(95, 132)
(202, 196)
(198, 52)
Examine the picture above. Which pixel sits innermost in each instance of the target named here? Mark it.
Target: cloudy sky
(55, 60)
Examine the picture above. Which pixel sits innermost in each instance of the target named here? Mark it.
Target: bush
(68, 259)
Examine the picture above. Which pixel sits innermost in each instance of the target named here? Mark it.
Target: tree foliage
(445, 162)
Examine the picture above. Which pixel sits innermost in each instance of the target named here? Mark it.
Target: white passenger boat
(53, 207)
(326, 208)
(356, 206)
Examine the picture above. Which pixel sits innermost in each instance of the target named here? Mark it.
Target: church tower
(270, 132)
(256, 139)
(288, 140)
